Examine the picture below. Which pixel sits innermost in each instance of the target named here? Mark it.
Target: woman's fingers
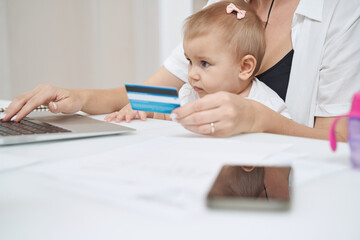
(203, 117)
(230, 114)
(59, 100)
(13, 109)
(66, 101)
(205, 110)
(202, 104)
(23, 104)
(206, 129)
(208, 123)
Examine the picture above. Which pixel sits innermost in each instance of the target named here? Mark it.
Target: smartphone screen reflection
(251, 186)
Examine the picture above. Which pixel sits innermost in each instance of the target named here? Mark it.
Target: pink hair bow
(231, 8)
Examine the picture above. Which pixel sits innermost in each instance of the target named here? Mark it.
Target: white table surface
(35, 204)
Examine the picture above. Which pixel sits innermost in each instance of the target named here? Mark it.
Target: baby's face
(212, 66)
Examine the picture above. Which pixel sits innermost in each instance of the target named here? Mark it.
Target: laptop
(46, 126)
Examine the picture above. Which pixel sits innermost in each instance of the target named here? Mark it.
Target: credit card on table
(152, 99)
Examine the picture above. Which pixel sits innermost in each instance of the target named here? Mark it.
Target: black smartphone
(251, 187)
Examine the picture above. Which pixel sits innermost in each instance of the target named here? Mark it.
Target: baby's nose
(194, 74)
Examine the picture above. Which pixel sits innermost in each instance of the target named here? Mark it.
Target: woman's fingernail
(13, 118)
(173, 117)
(3, 115)
(55, 107)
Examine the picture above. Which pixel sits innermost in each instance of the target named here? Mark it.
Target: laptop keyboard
(28, 126)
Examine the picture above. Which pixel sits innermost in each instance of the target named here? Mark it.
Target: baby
(224, 44)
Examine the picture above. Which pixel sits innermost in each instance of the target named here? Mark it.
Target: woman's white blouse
(325, 71)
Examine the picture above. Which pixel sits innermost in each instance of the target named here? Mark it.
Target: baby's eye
(205, 64)
(189, 61)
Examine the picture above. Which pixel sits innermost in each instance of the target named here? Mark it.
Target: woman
(321, 70)
(324, 36)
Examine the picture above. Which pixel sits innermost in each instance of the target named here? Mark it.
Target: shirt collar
(311, 9)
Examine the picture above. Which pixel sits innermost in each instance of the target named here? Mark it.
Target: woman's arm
(232, 114)
(73, 100)
(273, 122)
(106, 101)
(338, 81)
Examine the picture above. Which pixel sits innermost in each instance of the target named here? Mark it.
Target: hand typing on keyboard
(59, 100)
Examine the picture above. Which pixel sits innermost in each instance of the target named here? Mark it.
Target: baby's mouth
(198, 89)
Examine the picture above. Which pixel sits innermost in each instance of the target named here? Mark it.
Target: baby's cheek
(213, 87)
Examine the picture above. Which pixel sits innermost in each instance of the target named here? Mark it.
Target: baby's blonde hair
(242, 36)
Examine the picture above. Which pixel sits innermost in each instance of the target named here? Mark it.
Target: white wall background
(86, 43)
(172, 15)
(4, 68)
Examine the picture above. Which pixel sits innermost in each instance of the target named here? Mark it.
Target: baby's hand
(162, 116)
(127, 114)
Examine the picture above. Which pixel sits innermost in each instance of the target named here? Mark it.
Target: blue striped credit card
(152, 99)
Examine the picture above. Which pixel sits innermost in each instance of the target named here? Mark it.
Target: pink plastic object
(355, 108)
(354, 113)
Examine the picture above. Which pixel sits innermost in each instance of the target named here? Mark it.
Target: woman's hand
(127, 114)
(58, 99)
(230, 114)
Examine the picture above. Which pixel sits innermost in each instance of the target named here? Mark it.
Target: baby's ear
(247, 67)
